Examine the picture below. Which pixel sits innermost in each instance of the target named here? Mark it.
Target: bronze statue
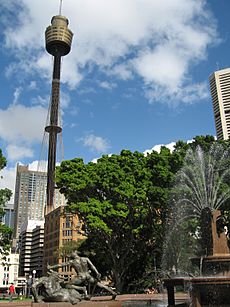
(51, 289)
(83, 267)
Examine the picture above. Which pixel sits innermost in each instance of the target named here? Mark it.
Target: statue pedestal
(60, 304)
(80, 304)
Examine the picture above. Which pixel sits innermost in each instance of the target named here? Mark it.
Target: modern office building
(30, 196)
(8, 217)
(37, 250)
(31, 241)
(220, 91)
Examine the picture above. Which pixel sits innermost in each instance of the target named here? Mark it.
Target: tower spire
(58, 44)
(60, 7)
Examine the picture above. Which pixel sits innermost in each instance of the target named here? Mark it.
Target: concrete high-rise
(30, 196)
(220, 91)
(31, 248)
(8, 217)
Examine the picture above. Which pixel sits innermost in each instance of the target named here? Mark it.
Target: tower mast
(60, 7)
(58, 44)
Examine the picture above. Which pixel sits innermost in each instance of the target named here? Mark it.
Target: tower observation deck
(58, 43)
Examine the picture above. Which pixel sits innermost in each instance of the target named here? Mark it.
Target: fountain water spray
(200, 186)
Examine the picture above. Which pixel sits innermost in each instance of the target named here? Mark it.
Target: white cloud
(20, 128)
(20, 124)
(41, 101)
(64, 100)
(161, 66)
(122, 71)
(96, 159)
(32, 85)
(158, 148)
(170, 146)
(155, 40)
(173, 96)
(15, 153)
(17, 94)
(96, 143)
(8, 180)
(107, 85)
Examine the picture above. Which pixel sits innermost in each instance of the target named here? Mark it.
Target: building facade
(9, 270)
(220, 91)
(31, 242)
(60, 227)
(37, 250)
(30, 196)
(8, 218)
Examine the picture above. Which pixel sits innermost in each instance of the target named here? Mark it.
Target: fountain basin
(217, 265)
(208, 289)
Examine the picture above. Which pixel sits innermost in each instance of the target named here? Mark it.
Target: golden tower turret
(58, 36)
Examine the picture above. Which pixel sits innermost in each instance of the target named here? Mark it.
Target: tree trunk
(119, 282)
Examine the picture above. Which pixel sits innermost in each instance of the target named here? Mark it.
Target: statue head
(74, 254)
(55, 275)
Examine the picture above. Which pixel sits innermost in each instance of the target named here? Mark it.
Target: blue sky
(136, 77)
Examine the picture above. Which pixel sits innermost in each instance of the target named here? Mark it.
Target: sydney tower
(58, 44)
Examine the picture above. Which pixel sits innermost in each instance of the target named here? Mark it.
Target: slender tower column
(58, 44)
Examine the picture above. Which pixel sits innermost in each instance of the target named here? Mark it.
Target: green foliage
(2, 160)
(5, 239)
(5, 232)
(70, 246)
(122, 201)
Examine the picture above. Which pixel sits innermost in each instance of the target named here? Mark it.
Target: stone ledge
(80, 304)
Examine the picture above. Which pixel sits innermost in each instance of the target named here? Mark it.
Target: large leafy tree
(5, 194)
(122, 201)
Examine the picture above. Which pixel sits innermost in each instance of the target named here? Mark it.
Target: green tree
(5, 194)
(122, 201)
(204, 141)
(67, 248)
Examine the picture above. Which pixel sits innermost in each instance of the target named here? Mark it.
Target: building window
(69, 232)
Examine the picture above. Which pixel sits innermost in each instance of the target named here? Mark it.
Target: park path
(98, 301)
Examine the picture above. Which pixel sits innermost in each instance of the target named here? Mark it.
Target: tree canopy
(5, 194)
(121, 201)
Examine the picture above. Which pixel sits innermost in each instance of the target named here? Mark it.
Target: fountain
(200, 195)
(214, 283)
